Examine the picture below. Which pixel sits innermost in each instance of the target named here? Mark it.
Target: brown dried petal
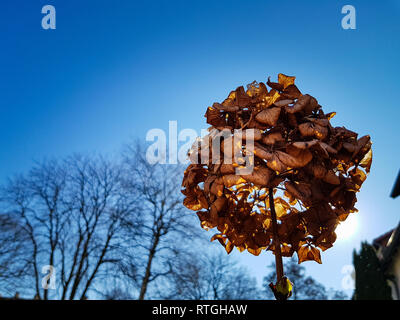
(285, 80)
(229, 108)
(282, 103)
(309, 129)
(308, 253)
(272, 138)
(269, 116)
(299, 105)
(367, 161)
(227, 168)
(291, 92)
(276, 164)
(232, 179)
(247, 134)
(260, 176)
(331, 178)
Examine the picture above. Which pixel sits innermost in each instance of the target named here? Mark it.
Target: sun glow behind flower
(348, 228)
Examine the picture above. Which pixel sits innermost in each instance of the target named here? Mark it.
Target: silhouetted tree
(371, 282)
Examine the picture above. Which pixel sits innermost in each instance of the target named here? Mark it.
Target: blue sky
(112, 70)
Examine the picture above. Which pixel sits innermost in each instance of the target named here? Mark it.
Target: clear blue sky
(112, 70)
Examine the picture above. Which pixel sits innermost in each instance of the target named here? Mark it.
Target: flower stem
(277, 244)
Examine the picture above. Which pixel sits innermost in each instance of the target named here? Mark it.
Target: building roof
(388, 244)
(382, 240)
(396, 187)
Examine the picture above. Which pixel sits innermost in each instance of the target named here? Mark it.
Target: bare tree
(165, 220)
(100, 223)
(208, 276)
(305, 287)
(86, 215)
(71, 212)
(17, 199)
(116, 293)
(13, 242)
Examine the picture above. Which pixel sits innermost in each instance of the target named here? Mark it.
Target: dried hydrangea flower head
(313, 169)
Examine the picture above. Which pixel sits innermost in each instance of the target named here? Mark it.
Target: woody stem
(277, 244)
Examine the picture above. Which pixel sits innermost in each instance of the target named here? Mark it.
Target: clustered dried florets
(318, 169)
